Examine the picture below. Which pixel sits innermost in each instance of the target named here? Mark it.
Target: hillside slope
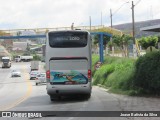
(127, 27)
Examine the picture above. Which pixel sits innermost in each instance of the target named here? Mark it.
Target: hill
(127, 27)
(3, 52)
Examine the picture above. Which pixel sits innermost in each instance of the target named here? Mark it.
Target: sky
(21, 14)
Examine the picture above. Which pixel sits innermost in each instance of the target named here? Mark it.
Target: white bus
(68, 63)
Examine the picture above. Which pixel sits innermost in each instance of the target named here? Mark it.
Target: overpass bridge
(41, 33)
(37, 31)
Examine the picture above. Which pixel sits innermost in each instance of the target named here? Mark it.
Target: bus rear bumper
(68, 89)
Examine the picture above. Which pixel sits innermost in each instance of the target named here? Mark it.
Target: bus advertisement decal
(72, 77)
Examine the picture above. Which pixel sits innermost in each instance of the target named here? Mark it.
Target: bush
(102, 73)
(132, 77)
(147, 73)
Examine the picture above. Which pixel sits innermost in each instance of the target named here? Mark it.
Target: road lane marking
(21, 99)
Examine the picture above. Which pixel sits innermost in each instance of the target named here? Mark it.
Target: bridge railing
(99, 28)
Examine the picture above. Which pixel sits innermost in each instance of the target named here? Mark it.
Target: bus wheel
(36, 83)
(52, 98)
(87, 96)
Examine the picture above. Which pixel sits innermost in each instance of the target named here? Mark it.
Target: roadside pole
(133, 30)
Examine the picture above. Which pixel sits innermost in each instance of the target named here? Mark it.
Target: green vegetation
(36, 57)
(95, 58)
(108, 30)
(120, 42)
(130, 76)
(14, 54)
(147, 74)
(126, 75)
(116, 73)
(150, 41)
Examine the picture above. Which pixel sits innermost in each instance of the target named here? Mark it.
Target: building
(19, 46)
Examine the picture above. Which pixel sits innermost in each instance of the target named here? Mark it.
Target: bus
(68, 63)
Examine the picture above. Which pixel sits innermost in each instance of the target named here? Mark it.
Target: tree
(122, 42)
(106, 39)
(125, 42)
(150, 41)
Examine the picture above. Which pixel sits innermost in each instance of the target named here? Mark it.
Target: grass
(95, 58)
(116, 74)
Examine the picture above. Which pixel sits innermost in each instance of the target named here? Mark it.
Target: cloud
(61, 13)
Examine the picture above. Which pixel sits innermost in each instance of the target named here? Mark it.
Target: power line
(119, 8)
(137, 2)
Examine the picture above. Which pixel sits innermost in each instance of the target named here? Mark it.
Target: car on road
(41, 78)
(33, 74)
(15, 73)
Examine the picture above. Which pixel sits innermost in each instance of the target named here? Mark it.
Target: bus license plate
(69, 83)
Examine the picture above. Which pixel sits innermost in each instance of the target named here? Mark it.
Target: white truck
(20, 58)
(34, 65)
(6, 62)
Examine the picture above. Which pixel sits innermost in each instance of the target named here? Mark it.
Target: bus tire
(36, 84)
(87, 96)
(52, 98)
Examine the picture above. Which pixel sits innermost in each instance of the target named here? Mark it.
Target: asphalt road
(21, 94)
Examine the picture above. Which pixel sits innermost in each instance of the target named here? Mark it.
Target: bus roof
(68, 31)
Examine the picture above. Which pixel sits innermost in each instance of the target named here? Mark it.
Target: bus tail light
(89, 74)
(48, 74)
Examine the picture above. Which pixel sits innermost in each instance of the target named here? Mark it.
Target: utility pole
(111, 32)
(133, 24)
(133, 30)
(111, 15)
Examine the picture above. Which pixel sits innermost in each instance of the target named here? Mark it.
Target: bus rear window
(68, 39)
